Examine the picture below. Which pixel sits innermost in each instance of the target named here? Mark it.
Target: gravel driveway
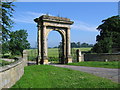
(112, 74)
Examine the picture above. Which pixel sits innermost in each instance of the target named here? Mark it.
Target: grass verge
(113, 64)
(46, 76)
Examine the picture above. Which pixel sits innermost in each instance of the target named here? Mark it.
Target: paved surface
(112, 74)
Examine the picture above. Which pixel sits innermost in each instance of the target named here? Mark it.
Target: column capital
(44, 25)
(68, 29)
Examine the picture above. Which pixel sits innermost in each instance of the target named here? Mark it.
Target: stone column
(68, 46)
(39, 44)
(44, 46)
(79, 55)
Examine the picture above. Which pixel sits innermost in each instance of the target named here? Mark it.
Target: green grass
(113, 64)
(52, 53)
(84, 49)
(3, 63)
(46, 76)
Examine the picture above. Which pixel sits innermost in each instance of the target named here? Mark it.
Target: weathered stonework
(102, 57)
(46, 24)
(79, 56)
(10, 74)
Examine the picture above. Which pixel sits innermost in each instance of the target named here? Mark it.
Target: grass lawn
(3, 63)
(46, 76)
(113, 64)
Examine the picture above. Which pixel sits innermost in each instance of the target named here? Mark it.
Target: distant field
(83, 49)
(55, 52)
(52, 52)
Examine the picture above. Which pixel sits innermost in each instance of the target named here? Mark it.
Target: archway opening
(54, 45)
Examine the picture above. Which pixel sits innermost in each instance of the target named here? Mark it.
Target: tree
(91, 45)
(73, 45)
(18, 42)
(78, 44)
(5, 48)
(6, 22)
(103, 46)
(109, 37)
(84, 45)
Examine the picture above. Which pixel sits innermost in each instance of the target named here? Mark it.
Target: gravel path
(112, 74)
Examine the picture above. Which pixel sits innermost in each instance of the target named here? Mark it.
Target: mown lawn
(113, 64)
(46, 76)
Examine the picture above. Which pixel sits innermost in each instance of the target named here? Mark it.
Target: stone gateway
(46, 24)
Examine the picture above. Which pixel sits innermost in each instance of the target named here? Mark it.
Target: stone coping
(53, 19)
(104, 53)
(7, 67)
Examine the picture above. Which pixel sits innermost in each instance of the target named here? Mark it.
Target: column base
(44, 60)
(79, 59)
(68, 59)
(38, 60)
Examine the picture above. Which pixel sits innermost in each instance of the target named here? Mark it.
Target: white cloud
(35, 14)
(78, 25)
(27, 17)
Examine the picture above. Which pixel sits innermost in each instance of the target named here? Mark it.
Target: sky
(63, 0)
(87, 16)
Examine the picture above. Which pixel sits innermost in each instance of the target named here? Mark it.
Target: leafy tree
(5, 48)
(73, 45)
(103, 46)
(91, 45)
(6, 22)
(109, 37)
(18, 42)
(84, 45)
(78, 44)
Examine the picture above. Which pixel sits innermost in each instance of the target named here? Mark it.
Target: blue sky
(86, 16)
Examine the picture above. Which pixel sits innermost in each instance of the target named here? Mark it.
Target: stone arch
(62, 34)
(46, 24)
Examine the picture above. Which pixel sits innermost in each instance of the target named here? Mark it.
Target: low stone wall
(9, 74)
(101, 57)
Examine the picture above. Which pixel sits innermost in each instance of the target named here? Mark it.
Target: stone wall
(101, 57)
(10, 74)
